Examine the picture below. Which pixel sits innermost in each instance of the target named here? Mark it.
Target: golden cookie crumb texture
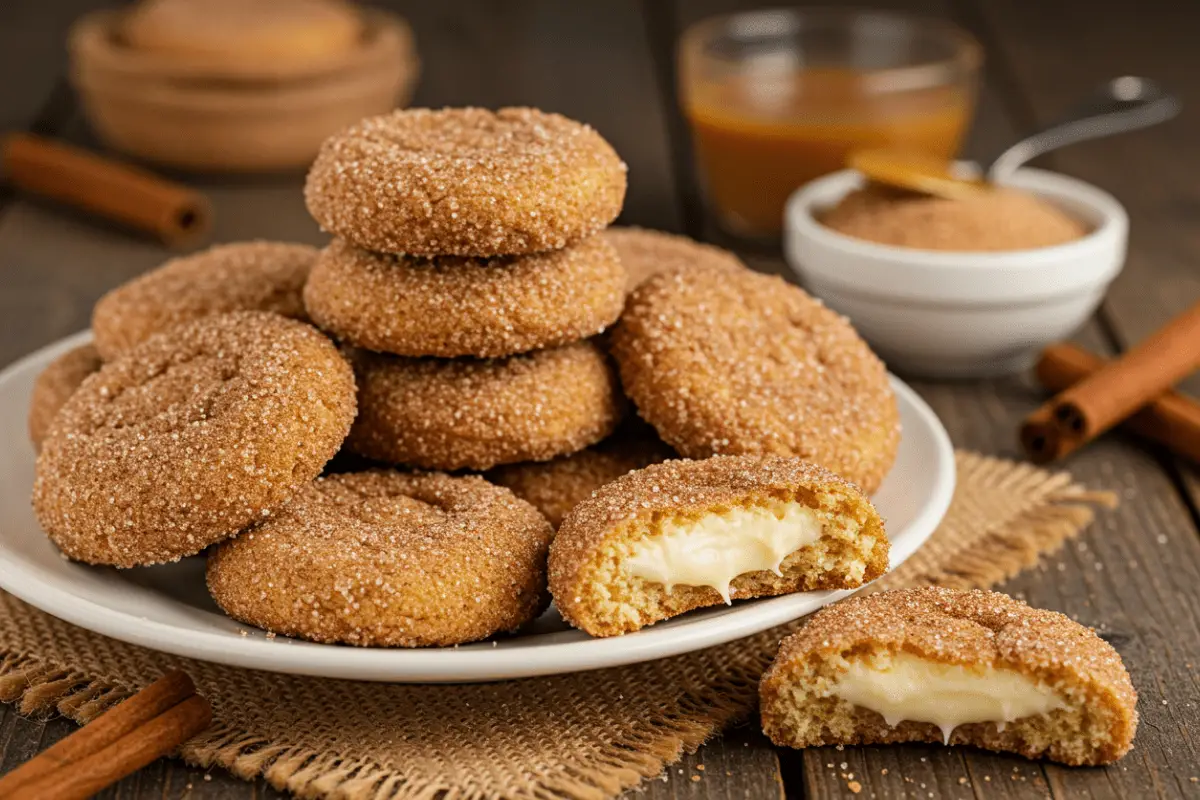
(244, 276)
(1092, 720)
(647, 252)
(1001, 219)
(466, 182)
(55, 385)
(384, 558)
(452, 306)
(735, 362)
(592, 561)
(191, 436)
(475, 414)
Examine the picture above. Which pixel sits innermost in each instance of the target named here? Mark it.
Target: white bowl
(959, 314)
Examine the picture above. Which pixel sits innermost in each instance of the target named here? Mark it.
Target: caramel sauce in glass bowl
(778, 98)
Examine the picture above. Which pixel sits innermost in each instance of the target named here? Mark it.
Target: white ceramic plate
(167, 608)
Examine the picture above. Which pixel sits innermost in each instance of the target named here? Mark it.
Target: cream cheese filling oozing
(904, 687)
(717, 548)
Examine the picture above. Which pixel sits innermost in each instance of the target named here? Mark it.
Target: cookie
(680, 535)
(474, 414)
(734, 362)
(191, 436)
(55, 385)
(465, 182)
(246, 276)
(645, 253)
(388, 559)
(232, 33)
(958, 667)
(453, 306)
(555, 487)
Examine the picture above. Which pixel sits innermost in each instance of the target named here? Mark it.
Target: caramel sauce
(758, 139)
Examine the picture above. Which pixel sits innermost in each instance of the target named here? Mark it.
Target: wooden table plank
(1153, 172)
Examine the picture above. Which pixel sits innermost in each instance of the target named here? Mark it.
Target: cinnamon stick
(104, 767)
(124, 194)
(1173, 419)
(1113, 392)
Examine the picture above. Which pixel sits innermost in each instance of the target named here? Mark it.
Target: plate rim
(445, 665)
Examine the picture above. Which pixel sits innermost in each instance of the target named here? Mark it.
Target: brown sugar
(996, 220)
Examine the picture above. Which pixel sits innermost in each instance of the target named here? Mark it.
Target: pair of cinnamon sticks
(1095, 395)
(152, 723)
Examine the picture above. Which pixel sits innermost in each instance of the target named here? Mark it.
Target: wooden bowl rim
(94, 48)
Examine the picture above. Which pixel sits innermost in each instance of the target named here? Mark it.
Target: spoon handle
(1123, 104)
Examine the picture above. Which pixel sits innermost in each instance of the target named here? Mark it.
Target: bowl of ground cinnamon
(963, 287)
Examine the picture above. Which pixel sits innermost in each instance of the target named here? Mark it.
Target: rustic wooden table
(1135, 575)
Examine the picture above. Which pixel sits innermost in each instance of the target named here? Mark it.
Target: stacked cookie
(466, 278)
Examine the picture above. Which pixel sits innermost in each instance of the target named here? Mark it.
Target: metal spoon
(1123, 104)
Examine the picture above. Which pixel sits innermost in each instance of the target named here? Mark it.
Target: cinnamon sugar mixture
(1001, 219)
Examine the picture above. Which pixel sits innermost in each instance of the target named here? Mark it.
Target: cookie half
(958, 667)
(734, 362)
(450, 306)
(687, 534)
(55, 385)
(244, 276)
(474, 414)
(465, 182)
(384, 558)
(190, 437)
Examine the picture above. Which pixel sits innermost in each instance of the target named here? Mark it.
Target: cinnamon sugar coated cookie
(557, 486)
(245, 276)
(688, 534)
(190, 437)
(647, 252)
(453, 306)
(733, 361)
(465, 182)
(383, 558)
(474, 414)
(960, 667)
(55, 385)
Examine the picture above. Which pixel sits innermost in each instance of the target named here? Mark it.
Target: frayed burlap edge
(965, 552)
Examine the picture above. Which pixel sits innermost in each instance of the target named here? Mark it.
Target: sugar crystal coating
(555, 487)
(55, 385)
(645, 253)
(384, 558)
(244, 276)
(191, 436)
(451, 306)
(733, 361)
(474, 414)
(466, 182)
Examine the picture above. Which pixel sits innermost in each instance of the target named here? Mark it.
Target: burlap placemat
(588, 735)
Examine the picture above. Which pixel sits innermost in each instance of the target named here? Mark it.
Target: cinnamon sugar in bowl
(1001, 219)
(958, 288)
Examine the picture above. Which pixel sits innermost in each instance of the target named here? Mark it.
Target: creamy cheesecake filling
(716, 549)
(905, 687)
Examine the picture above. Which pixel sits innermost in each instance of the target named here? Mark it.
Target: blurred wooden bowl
(184, 114)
